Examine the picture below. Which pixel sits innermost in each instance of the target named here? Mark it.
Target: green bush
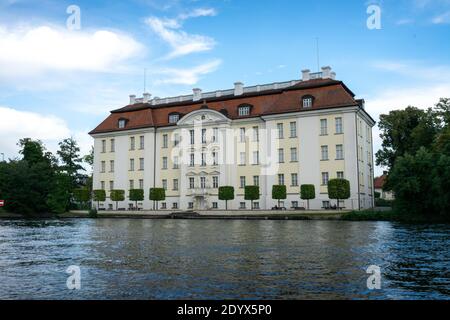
(338, 189)
(157, 194)
(99, 196)
(279, 193)
(383, 203)
(116, 196)
(136, 195)
(226, 194)
(307, 192)
(93, 213)
(251, 193)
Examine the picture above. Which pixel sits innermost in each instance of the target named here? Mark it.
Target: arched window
(174, 117)
(244, 110)
(307, 101)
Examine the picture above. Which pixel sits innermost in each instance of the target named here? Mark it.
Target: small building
(379, 183)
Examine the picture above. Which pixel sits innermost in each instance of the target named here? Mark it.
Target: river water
(215, 259)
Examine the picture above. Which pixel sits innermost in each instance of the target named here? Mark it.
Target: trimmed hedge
(307, 192)
(226, 194)
(252, 193)
(279, 193)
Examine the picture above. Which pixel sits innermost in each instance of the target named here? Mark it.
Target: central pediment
(203, 117)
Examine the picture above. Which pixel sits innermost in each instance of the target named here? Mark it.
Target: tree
(82, 195)
(307, 192)
(251, 193)
(58, 199)
(405, 131)
(225, 194)
(99, 196)
(279, 193)
(89, 158)
(116, 196)
(157, 194)
(338, 189)
(71, 161)
(136, 195)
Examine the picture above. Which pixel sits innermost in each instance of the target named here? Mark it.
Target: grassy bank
(391, 215)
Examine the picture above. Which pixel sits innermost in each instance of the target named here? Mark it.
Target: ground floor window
(215, 205)
(175, 205)
(294, 204)
(325, 204)
(164, 206)
(242, 205)
(256, 205)
(110, 206)
(191, 205)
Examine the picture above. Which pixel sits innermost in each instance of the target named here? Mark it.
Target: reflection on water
(206, 259)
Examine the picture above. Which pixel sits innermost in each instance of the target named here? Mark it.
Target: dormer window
(244, 110)
(122, 123)
(308, 101)
(174, 118)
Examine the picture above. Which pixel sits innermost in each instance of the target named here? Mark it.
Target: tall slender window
(255, 134)
(323, 127)
(141, 142)
(103, 167)
(339, 152)
(164, 163)
(293, 127)
(176, 162)
(281, 179)
(111, 185)
(131, 164)
(141, 164)
(164, 184)
(192, 135)
(132, 143)
(192, 160)
(113, 145)
(111, 166)
(141, 184)
(242, 159)
(202, 182)
(294, 155)
(191, 183)
(256, 158)
(280, 155)
(131, 184)
(242, 180)
(215, 155)
(294, 179)
(215, 182)
(280, 129)
(203, 159)
(256, 181)
(215, 136)
(165, 141)
(242, 135)
(325, 178)
(203, 136)
(175, 184)
(339, 128)
(324, 153)
(103, 146)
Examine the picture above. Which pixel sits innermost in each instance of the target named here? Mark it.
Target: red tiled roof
(327, 93)
(379, 182)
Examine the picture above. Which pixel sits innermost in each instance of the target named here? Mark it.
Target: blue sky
(55, 82)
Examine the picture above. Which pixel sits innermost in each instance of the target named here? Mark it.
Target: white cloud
(16, 124)
(181, 42)
(188, 76)
(31, 51)
(442, 19)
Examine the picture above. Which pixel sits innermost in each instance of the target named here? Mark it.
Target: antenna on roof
(318, 54)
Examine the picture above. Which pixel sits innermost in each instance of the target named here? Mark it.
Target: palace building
(290, 133)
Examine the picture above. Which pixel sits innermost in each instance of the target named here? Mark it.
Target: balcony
(199, 192)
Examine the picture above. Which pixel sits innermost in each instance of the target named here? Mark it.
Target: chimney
(132, 99)
(147, 97)
(238, 88)
(326, 72)
(306, 75)
(197, 94)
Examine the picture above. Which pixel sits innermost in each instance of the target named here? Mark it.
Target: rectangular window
(281, 179)
(192, 160)
(215, 156)
(215, 205)
(132, 143)
(131, 164)
(192, 136)
(256, 205)
(113, 145)
(103, 146)
(326, 204)
(242, 135)
(339, 128)
(173, 118)
(324, 153)
(190, 205)
(164, 184)
(242, 205)
(165, 141)
(256, 181)
(280, 131)
(294, 204)
(203, 159)
(203, 136)
(307, 102)
(244, 111)
(175, 184)
(215, 136)
(242, 180)
(164, 163)
(339, 152)
(325, 178)
(176, 139)
(191, 183)
(294, 179)
(175, 205)
(293, 129)
(203, 182)
(176, 162)
(256, 157)
(141, 164)
(294, 155)
(111, 185)
(141, 142)
(103, 167)
(323, 127)
(102, 185)
(242, 159)
(215, 182)
(280, 155)
(131, 184)
(163, 206)
(340, 175)
(141, 184)
(255, 134)
(111, 166)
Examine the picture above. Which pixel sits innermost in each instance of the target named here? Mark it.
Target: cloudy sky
(57, 82)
